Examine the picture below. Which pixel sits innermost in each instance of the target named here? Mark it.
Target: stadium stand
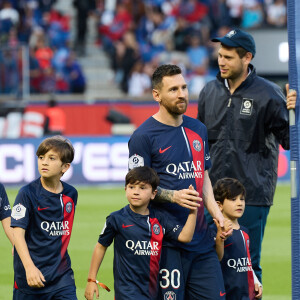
(124, 41)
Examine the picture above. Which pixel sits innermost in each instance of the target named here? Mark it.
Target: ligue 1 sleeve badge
(18, 211)
(135, 161)
(69, 207)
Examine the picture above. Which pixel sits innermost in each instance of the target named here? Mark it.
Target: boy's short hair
(228, 188)
(59, 144)
(142, 174)
(161, 72)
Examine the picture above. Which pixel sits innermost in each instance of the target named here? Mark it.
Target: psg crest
(156, 229)
(170, 296)
(197, 145)
(68, 207)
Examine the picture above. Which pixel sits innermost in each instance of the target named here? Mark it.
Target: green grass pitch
(95, 204)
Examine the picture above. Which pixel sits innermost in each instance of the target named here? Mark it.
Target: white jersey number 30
(167, 280)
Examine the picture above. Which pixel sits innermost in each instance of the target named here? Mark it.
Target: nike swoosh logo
(164, 150)
(42, 208)
(222, 294)
(228, 245)
(125, 226)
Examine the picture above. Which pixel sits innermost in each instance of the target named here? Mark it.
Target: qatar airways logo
(240, 265)
(56, 228)
(186, 169)
(143, 247)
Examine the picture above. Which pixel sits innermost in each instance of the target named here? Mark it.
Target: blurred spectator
(235, 11)
(55, 119)
(198, 55)
(114, 30)
(125, 55)
(35, 73)
(181, 34)
(43, 54)
(252, 14)
(140, 80)
(276, 13)
(9, 78)
(83, 8)
(74, 75)
(198, 64)
(9, 13)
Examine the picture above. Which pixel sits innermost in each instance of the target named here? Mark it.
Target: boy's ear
(220, 205)
(65, 168)
(153, 194)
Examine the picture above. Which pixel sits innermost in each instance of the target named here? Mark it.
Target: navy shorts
(188, 275)
(66, 293)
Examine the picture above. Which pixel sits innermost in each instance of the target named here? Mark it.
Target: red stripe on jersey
(69, 210)
(196, 146)
(156, 245)
(16, 286)
(251, 288)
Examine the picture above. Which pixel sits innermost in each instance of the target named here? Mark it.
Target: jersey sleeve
(5, 210)
(21, 210)
(172, 230)
(108, 232)
(212, 231)
(139, 151)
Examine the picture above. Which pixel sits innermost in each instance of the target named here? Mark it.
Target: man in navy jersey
(42, 221)
(137, 231)
(5, 213)
(240, 280)
(176, 147)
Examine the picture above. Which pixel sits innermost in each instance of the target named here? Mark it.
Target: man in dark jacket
(247, 118)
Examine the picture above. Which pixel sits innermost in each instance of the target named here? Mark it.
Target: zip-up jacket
(244, 130)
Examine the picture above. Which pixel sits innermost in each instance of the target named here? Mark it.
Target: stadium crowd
(52, 63)
(142, 34)
(137, 36)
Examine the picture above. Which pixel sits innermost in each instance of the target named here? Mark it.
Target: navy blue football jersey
(5, 210)
(180, 156)
(236, 266)
(48, 220)
(137, 249)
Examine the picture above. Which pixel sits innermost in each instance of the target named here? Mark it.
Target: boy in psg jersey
(240, 280)
(42, 221)
(137, 231)
(5, 213)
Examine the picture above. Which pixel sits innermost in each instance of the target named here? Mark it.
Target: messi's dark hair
(142, 174)
(161, 72)
(58, 144)
(228, 188)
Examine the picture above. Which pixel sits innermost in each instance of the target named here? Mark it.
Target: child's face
(233, 208)
(50, 166)
(139, 194)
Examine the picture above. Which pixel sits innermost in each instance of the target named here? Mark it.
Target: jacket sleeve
(201, 106)
(277, 119)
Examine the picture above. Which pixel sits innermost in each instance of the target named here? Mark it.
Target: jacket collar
(250, 77)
